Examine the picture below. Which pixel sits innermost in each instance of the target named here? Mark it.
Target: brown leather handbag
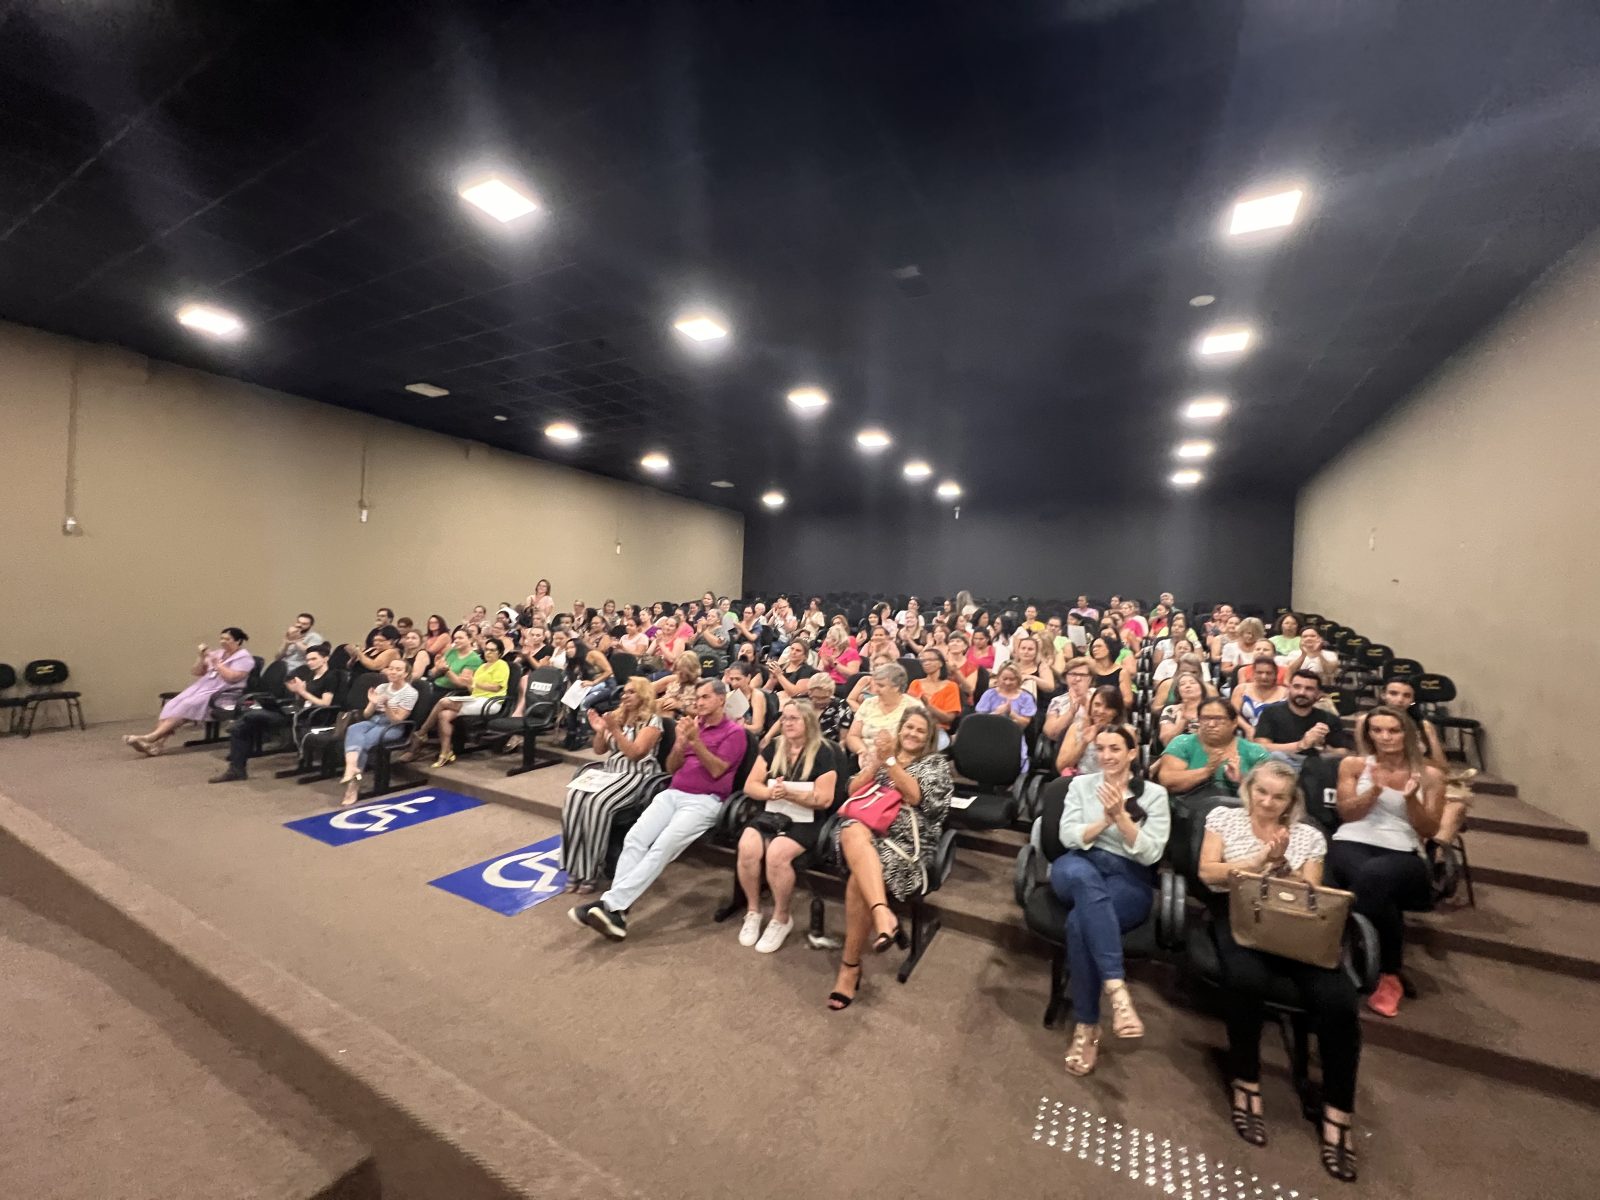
(1288, 917)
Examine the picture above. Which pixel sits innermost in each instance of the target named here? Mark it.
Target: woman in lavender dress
(219, 672)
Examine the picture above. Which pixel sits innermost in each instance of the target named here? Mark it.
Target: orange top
(941, 694)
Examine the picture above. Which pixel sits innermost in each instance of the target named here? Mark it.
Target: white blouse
(1232, 825)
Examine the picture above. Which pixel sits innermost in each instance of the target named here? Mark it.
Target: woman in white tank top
(1390, 800)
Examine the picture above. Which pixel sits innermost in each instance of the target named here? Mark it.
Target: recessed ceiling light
(1202, 300)
(808, 399)
(1233, 340)
(656, 462)
(948, 490)
(873, 440)
(499, 199)
(501, 417)
(722, 483)
(774, 499)
(700, 327)
(562, 431)
(1265, 212)
(218, 322)
(1206, 408)
(916, 469)
(1194, 449)
(1185, 478)
(432, 391)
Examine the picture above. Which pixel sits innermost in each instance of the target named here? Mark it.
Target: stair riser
(1555, 1081)
(1466, 943)
(1576, 837)
(1587, 892)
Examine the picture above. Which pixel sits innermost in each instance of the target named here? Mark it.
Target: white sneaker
(750, 930)
(773, 938)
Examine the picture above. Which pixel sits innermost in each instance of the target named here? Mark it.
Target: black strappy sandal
(1338, 1157)
(1247, 1122)
(838, 1001)
(884, 940)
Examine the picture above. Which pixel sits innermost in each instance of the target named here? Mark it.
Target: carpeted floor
(113, 1089)
(693, 1068)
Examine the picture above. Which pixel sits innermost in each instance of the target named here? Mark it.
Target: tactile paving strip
(1143, 1156)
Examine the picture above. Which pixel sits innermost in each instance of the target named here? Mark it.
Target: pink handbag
(876, 806)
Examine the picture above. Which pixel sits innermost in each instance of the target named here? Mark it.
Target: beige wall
(205, 502)
(1470, 517)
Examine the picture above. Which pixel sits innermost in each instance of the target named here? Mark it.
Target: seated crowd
(1136, 709)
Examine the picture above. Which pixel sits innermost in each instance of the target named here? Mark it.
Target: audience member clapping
(1214, 756)
(220, 676)
(628, 736)
(1390, 800)
(388, 705)
(1299, 726)
(883, 709)
(896, 862)
(796, 778)
(1255, 693)
(1079, 753)
(1008, 698)
(1114, 826)
(1267, 836)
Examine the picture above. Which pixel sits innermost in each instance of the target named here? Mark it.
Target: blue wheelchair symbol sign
(346, 825)
(510, 883)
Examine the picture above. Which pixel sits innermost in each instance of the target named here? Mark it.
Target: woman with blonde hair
(796, 777)
(1390, 801)
(896, 862)
(675, 692)
(628, 736)
(1267, 837)
(1251, 641)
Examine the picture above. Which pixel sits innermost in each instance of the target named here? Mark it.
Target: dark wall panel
(1195, 546)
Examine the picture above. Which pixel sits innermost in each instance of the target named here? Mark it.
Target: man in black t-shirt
(1296, 727)
(313, 684)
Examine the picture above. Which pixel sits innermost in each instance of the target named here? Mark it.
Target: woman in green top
(488, 684)
(1212, 756)
(1287, 640)
(453, 674)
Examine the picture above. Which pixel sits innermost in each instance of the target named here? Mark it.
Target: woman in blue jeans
(1114, 825)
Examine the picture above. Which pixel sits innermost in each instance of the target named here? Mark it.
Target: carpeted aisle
(691, 1067)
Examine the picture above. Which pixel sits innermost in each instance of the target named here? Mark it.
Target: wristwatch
(891, 761)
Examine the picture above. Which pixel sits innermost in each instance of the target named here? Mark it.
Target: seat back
(623, 665)
(362, 682)
(45, 673)
(1319, 783)
(712, 662)
(1404, 668)
(1189, 829)
(752, 747)
(1375, 657)
(1051, 802)
(273, 677)
(1434, 689)
(427, 697)
(545, 686)
(8, 677)
(988, 748)
(340, 659)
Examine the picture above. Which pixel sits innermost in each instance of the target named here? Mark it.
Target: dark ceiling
(1057, 173)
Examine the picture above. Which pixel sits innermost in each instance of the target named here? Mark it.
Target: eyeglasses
(1215, 720)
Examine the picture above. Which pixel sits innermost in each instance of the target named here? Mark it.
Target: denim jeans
(1108, 895)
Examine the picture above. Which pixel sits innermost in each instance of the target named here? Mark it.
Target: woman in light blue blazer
(1114, 824)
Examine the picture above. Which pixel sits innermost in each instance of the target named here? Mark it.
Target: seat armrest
(1025, 877)
(944, 858)
(735, 811)
(1172, 909)
(1361, 953)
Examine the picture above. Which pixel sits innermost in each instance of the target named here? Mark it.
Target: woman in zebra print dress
(628, 736)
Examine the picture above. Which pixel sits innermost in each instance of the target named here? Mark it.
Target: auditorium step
(1496, 813)
(130, 1094)
(1492, 1018)
(1535, 865)
(1511, 925)
(1486, 784)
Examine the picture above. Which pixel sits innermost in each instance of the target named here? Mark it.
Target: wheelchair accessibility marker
(345, 825)
(510, 883)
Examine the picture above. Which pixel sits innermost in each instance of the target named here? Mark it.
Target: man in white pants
(704, 759)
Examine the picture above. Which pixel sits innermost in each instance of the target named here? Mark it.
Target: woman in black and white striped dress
(628, 736)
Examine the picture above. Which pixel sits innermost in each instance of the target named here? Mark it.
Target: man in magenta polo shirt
(705, 758)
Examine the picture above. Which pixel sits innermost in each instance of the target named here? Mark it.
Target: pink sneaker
(1385, 998)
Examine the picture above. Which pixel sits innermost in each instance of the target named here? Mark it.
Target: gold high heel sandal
(1084, 1051)
(1125, 1022)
